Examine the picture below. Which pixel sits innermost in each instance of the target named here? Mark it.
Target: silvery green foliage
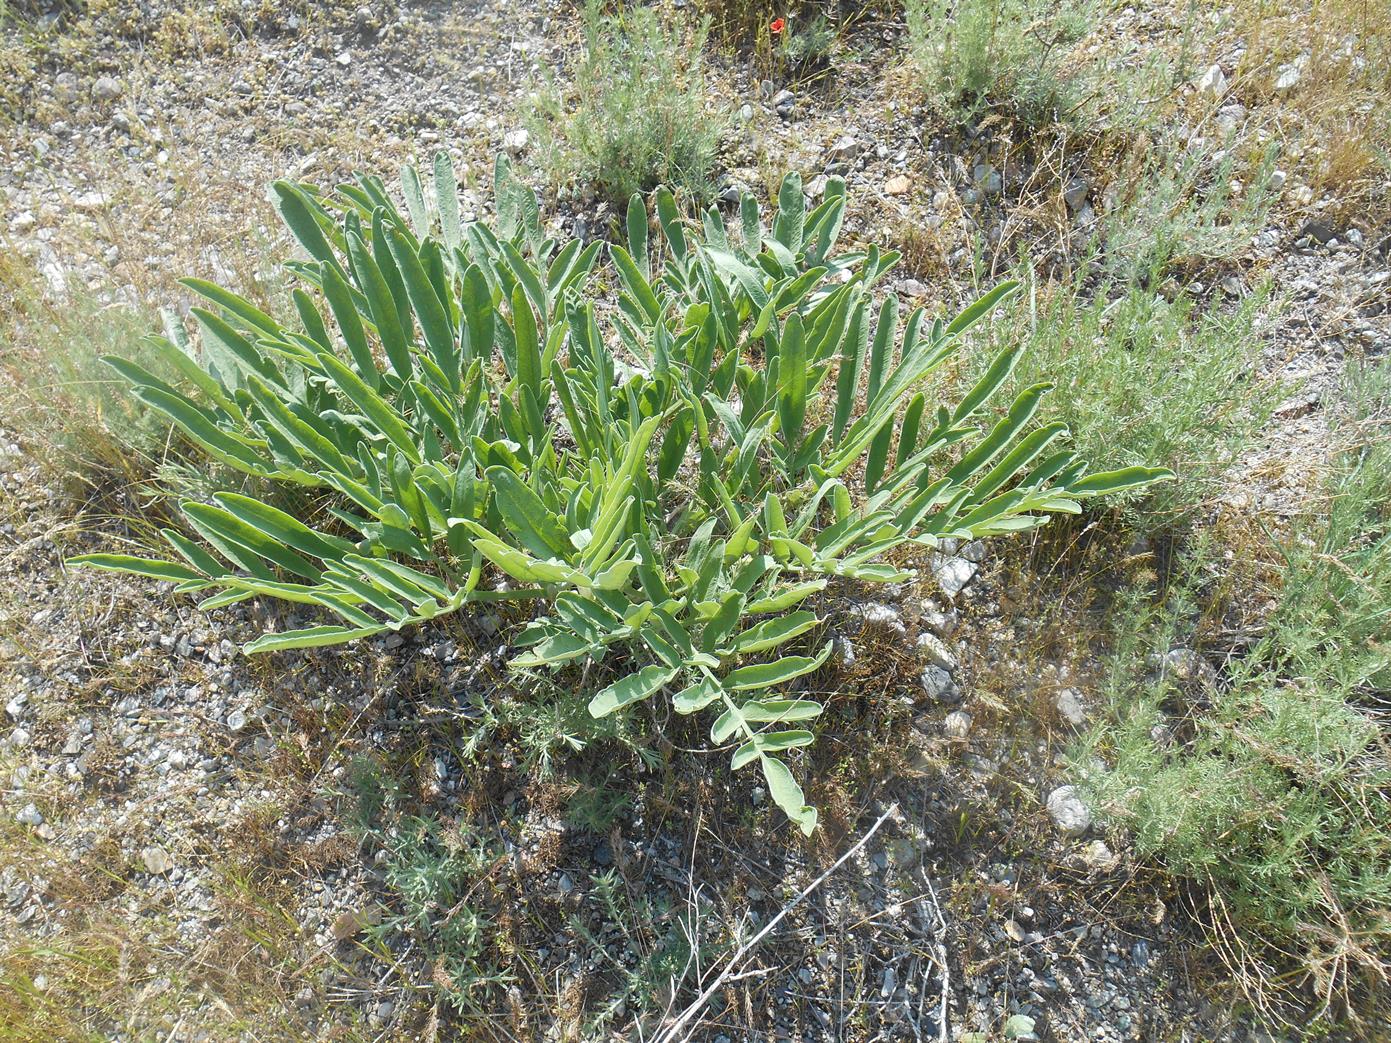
(673, 487)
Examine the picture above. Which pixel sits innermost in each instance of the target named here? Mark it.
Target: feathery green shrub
(674, 494)
(637, 113)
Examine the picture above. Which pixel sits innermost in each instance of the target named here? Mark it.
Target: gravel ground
(193, 824)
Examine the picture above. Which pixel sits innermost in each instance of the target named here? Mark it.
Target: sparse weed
(1141, 379)
(804, 45)
(649, 948)
(1008, 56)
(430, 868)
(1188, 208)
(1322, 73)
(636, 114)
(1269, 785)
(72, 413)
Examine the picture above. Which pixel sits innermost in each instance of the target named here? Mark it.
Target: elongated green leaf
(196, 424)
(230, 527)
(973, 313)
(280, 526)
(1124, 479)
(429, 311)
(697, 696)
(787, 795)
(631, 689)
(154, 568)
(382, 305)
(297, 211)
(774, 632)
(386, 419)
(527, 518)
(447, 199)
(785, 599)
(311, 637)
(637, 234)
(780, 671)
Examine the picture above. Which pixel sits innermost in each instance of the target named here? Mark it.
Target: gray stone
(936, 682)
(157, 860)
(988, 179)
(1019, 1026)
(1069, 814)
(1071, 708)
(953, 574)
(941, 621)
(516, 141)
(844, 150)
(1322, 232)
(106, 89)
(935, 651)
(29, 815)
(1075, 194)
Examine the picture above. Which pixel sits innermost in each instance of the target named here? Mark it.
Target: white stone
(1213, 81)
(1069, 814)
(957, 724)
(106, 88)
(157, 860)
(516, 141)
(953, 574)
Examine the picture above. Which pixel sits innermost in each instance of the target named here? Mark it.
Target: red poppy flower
(777, 26)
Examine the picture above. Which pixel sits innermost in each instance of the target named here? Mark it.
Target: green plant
(1004, 55)
(1271, 786)
(1182, 212)
(432, 871)
(637, 114)
(73, 413)
(1142, 379)
(803, 44)
(671, 498)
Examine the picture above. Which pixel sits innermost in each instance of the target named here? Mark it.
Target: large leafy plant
(676, 495)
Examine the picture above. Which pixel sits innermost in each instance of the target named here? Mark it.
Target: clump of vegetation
(801, 45)
(1270, 785)
(1145, 380)
(76, 416)
(673, 504)
(1184, 210)
(637, 114)
(1008, 56)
